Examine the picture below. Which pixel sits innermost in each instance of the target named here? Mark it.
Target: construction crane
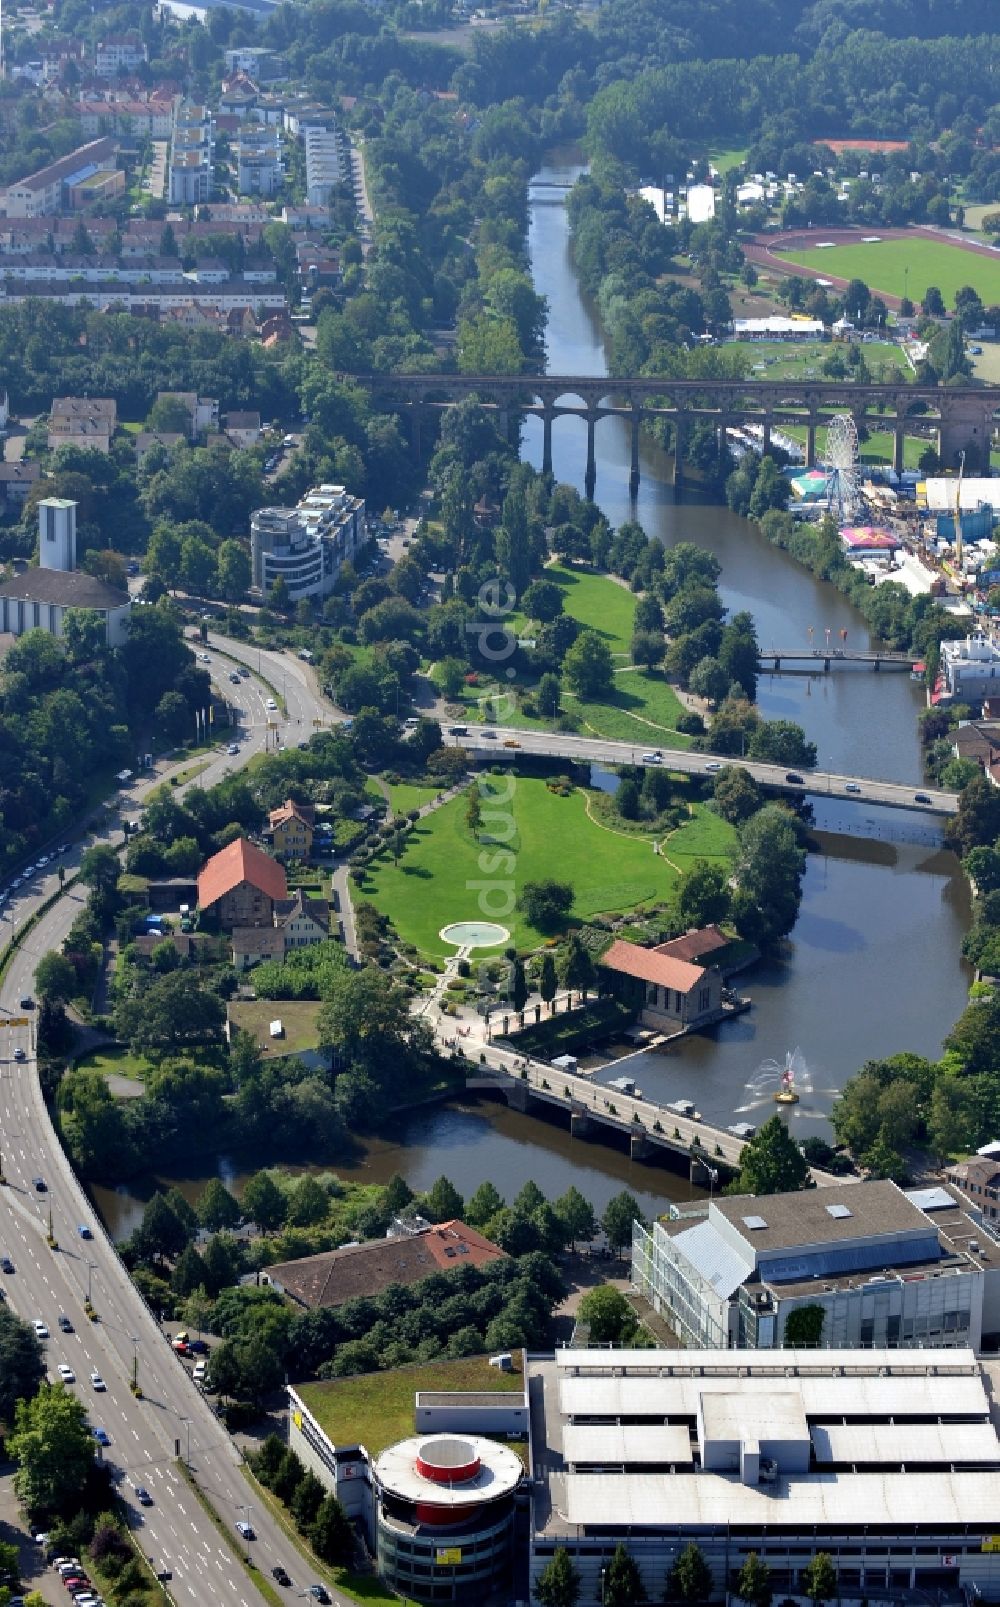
(958, 516)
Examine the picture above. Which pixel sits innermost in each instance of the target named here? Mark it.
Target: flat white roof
(636, 1396)
(775, 1414)
(611, 1444)
(500, 1471)
(711, 1500)
(906, 1442)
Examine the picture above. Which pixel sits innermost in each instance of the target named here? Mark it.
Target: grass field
(725, 157)
(779, 360)
(298, 1016)
(930, 262)
(376, 1409)
(407, 795)
(440, 875)
(598, 602)
(877, 449)
(117, 1062)
(644, 709)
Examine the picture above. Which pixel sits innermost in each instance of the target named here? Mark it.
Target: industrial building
(306, 546)
(886, 1268)
(889, 1461)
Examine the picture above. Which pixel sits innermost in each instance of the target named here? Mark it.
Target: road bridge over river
(960, 418)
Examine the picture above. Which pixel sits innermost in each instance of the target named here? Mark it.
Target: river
(873, 965)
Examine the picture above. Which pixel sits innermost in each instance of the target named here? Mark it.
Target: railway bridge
(961, 418)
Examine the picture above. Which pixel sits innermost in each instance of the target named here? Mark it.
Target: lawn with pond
(441, 873)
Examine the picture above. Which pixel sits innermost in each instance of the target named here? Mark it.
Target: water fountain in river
(791, 1076)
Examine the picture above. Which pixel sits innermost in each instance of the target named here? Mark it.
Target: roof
(718, 1263)
(264, 940)
(20, 471)
(299, 906)
(240, 862)
(368, 1269)
(630, 959)
(983, 1172)
(822, 1216)
(616, 1444)
(66, 166)
(242, 421)
(63, 588)
(693, 944)
(888, 1443)
(290, 810)
(83, 407)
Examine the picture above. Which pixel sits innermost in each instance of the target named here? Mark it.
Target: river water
(873, 965)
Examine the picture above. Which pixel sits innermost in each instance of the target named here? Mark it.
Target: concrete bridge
(828, 657)
(961, 418)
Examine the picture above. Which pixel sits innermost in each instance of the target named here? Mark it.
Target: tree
(736, 794)
(99, 869)
(627, 798)
(189, 1272)
(308, 1203)
(559, 1582)
(588, 666)
(619, 1214)
(482, 1205)
(161, 1232)
(548, 695)
(781, 742)
(690, 1578)
(518, 986)
(771, 1162)
(612, 1320)
(542, 600)
(647, 648)
(576, 1214)
(547, 980)
(55, 977)
(769, 870)
(546, 904)
(819, 1579)
(442, 1202)
(264, 1202)
(803, 1328)
(933, 302)
(754, 1583)
(217, 1208)
(22, 1367)
(977, 822)
(622, 1581)
(330, 1534)
(233, 571)
(53, 1447)
(171, 1013)
(579, 974)
(307, 1498)
(710, 679)
(703, 899)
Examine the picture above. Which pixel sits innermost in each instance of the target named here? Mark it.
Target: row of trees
(689, 1581)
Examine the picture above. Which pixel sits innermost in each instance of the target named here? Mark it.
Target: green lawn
(725, 157)
(776, 359)
(644, 709)
(930, 262)
(376, 1409)
(114, 1061)
(704, 836)
(298, 1017)
(598, 602)
(407, 795)
(443, 869)
(877, 449)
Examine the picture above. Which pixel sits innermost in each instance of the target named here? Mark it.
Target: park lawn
(376, 1409)
(725, 157)
(644, 709)
(930, 262)
(439, 877)
(297, 1016)
(116, 1061)
(780, 360)
(407, 795)
(877, 449)
(598, 602)
(704, 836)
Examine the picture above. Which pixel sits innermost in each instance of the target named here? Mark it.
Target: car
(270, 704)
(246, 1530)
(27, 1003)
(74, 1577)
(143, 1496)
(512, 742)
(651, 758)
(289, 440)
(851, 786)
(234, 678)
(278, 1573)
(84, 1231)
(40, 1328)
(20, 1054)
(181, 1347)
(319, 1593)
(243, 672)
(64, 1323)
(66, 1373)
(198, 1347)
(102, 1436)
(921, 797)
(98, 1382)
(41, 1187)
(59, 1563)
(6, 1264)
(794, 777)
(204, 658)
(233, 749)
(711, 769)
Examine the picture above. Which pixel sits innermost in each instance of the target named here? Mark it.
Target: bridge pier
(680, 438)
(811, 444)
(547, 441)
(590, 481)
(633, 478)
(638, 1146)
(579, 1124)
(765, 441)
(416, 423)
(898, 448)
(517, 1096)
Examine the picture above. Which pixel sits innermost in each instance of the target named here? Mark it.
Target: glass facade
(437, 1563)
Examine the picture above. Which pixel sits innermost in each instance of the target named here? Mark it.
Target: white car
(204, 658)
(98, 1382)
(652, 758)
(271, 703)
(200, 1369)
(40, 1329)
(66, 1373)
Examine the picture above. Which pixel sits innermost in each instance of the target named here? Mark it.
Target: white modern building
(970, 668)
(258, 160)
(889, 1461)
(42, 194)
(885, 1268)
(307, 545)
(122, 55)
(39, 598)
(190, 177)
(323, 164)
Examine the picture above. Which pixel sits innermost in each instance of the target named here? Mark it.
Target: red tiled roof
(239, 862)
(692, 945)
(649, 966)
(367, 1269)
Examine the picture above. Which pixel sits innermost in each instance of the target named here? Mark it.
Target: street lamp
(135, 1363)
(713, 1173)
(187, 1423)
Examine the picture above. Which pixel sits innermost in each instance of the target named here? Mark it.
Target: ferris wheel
(843, 466)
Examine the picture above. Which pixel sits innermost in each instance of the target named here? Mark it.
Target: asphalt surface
(145, 1434)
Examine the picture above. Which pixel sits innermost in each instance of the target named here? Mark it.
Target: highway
(174, 1533)
(485, 743)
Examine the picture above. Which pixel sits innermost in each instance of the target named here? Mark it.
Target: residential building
(256, 60)
(147, 439)
(258, 160)
(885, 1267)
(241, 886)
(39, 598)
(290, 828)
(888, 1461)
(44, 193)
(669, 993)
(324, 169)
(135, 119)
(370, 1268)
(254, 944)
(17, 479)
(978, 1180)
(306, 546)
(203, 411)
(121, 55)
(88, 421)
(190, 174)
(242, 429)
(970, 669)
(302, 921)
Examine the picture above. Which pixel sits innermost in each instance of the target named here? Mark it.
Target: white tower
(57, 533)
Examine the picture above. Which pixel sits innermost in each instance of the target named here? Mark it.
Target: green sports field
(883, 267)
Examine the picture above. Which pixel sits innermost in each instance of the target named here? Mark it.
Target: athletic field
(883, 267)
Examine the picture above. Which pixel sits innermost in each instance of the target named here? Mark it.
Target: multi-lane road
(174, 1533)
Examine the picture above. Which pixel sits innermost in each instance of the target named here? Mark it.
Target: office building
(306, 546)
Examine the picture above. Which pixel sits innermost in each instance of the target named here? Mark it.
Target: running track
(764, 250)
